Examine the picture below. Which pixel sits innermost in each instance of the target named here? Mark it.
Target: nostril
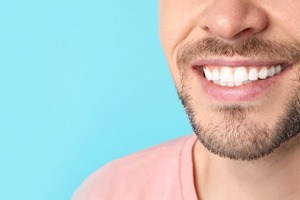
(248, 31)
(206, 29)
(245, 32)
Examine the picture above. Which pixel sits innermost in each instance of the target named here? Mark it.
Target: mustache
(252, 47)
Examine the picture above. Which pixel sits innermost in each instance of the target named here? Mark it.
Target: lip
(244, 93)
(235, 63)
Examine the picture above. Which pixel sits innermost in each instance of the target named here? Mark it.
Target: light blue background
(82, 83)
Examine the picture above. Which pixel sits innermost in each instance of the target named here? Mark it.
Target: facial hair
(236, 136)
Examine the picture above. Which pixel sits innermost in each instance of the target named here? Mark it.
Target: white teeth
(207, 73)
(223, 83)
(271, 72)
(215, 75)
(253, 74)
(263, 73)
(230, 77)
(230, 84)
(278, 69)
(239, 83)
(216, 82)
(226, 74)
(240, 74)
(247, 82)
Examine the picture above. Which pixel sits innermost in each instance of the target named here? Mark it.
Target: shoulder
(136, 175)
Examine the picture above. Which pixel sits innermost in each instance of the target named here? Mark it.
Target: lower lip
(243, 93)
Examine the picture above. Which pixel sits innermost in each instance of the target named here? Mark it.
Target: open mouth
(228, 76)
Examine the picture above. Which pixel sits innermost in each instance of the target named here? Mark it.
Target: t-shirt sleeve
(87, 189)
(150, 174)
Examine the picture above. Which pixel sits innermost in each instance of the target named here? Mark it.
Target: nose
(231, 19)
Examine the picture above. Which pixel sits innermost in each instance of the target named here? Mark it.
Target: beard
(233, 134)
(237, 137)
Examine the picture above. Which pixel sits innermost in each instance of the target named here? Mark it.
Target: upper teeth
(229, 76)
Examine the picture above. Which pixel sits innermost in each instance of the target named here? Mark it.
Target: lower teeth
(230, 84)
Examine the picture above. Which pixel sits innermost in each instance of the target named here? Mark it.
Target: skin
(277, 175)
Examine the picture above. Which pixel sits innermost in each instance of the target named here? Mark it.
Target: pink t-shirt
(163, 172)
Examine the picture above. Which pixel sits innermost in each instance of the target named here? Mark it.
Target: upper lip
(239, 62)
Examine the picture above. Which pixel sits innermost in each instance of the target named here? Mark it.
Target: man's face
(236, 67)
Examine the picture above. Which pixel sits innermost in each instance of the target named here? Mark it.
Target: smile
(228, 76)
(236, 81)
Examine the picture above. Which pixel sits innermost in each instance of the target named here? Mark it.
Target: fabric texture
(163, 172)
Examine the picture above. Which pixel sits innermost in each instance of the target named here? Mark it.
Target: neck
(275, 176)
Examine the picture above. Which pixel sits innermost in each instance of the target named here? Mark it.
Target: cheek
(169, 26)
(284, 17)
(176, 77)
(177, 19)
